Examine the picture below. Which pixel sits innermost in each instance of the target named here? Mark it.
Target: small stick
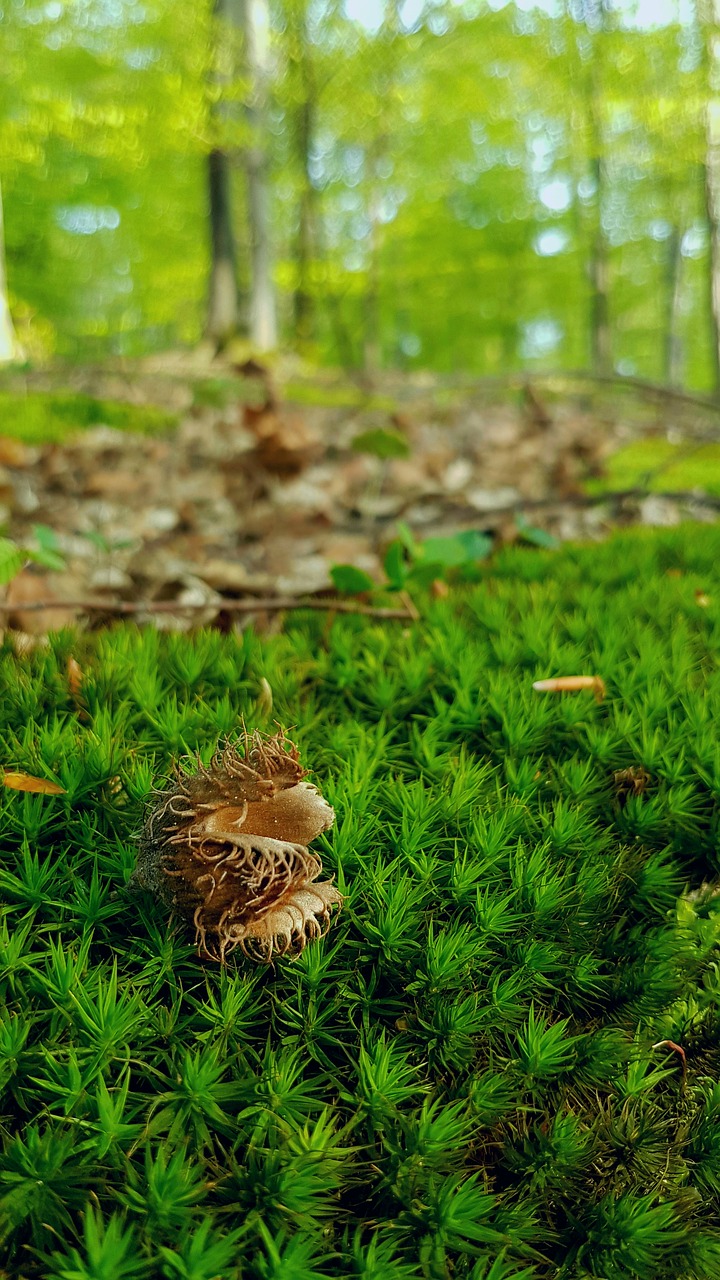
(271, 603)
(570, 684)
(678, 1049)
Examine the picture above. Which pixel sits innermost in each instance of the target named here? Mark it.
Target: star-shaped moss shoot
(226, 847)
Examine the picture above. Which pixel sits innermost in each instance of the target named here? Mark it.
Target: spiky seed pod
(226, 846)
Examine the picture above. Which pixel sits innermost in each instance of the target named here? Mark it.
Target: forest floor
(197, 482)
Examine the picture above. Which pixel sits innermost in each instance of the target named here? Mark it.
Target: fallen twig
(273, 604)
(457, 514)
(678, 1049)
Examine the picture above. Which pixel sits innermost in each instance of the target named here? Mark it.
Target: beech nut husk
(226, 847)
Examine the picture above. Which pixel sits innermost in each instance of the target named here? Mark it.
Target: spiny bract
(227, 847)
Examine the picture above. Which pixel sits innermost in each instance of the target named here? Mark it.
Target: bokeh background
(478, 186)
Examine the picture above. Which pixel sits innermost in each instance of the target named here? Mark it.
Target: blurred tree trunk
(590, 19)
(223, 314)
(263, 313)
(708, 13)
(712, 213)
(673, 347)
(372, 346)
(377, 164)
(10, 348)
(303, 302)
(303, 128)
(600, 332)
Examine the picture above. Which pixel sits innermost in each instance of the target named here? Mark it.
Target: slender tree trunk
(223, 301)
(673, 347)
(591, 18)
(600, 332)
(263, 315)
(712, 212)
(10, 348)
(372, 346)
(708, 16)
(376, 154)
(303, 301)
(223, 314)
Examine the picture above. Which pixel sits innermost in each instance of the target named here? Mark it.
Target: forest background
(449, 186)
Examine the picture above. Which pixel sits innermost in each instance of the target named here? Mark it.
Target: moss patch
(473, 1075)
(51, 417)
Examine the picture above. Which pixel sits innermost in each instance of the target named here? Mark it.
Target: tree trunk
(223, 314)
(223, 301)
(591, 19)
(372, 346)
(600, 333)
(708, 18)
(377, 153)
(263, 316)
(712, 211)
(302, 301)
(673, 352)
(10, 349)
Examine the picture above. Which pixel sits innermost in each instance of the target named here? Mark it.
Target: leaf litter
(258, 497)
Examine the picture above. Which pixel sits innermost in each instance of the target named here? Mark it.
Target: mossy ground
(466, 1077)
(658, 465)
(52, 417)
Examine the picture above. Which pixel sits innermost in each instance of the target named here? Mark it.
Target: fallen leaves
(263, 497)
(25, 782)
(630, 782)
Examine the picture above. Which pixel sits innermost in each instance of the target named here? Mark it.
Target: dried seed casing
(226, 847)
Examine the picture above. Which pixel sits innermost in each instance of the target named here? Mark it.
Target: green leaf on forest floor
(382, 443)
(12, 560)
(351, 580)
(533, 536)
(462, 548)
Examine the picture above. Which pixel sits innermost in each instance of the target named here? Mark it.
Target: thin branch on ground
(457, 515)
(267, 604)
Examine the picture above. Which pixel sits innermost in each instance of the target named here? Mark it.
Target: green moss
(679, 467)
(471, 1075)
(50, 417)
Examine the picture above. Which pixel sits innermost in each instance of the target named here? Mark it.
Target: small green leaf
(405, 534)
(47, 558)
(536, 537)
(45, 537)
(12, 559)
(382, 443)
(395, 565)
(351, 581)
(459, 548)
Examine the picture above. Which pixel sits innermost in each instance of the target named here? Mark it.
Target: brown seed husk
(226, 847)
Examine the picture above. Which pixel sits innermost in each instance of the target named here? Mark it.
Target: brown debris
(25, 782)
(572, 684)
(630, 782)
(260, 497)
(226, 846)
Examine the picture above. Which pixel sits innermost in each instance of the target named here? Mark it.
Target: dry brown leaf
(265, 701)
(630, 782)
(31, 587)
(13, 453)
(75, 677)
(25, 782)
